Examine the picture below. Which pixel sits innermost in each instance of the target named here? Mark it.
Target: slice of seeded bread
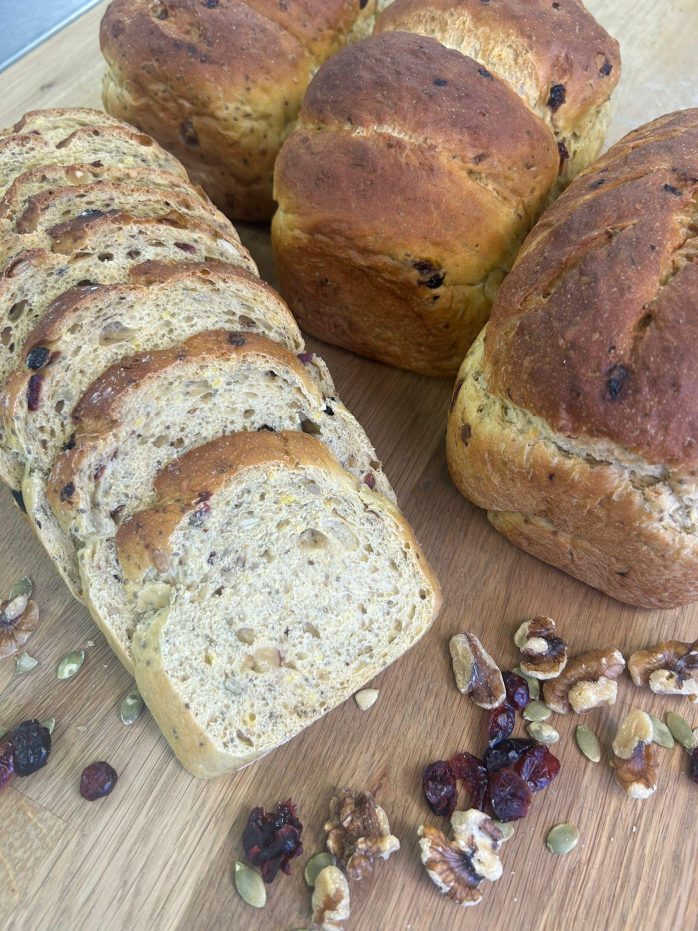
(60, 121)
(284, 586)
(140, 415)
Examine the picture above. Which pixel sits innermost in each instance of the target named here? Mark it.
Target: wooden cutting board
(158, 853)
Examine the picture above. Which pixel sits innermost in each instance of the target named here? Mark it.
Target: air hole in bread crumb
(312, 630)
(106, 256)
(16, 311)
(313, 539)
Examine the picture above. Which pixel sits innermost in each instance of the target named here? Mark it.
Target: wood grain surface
(158, 853)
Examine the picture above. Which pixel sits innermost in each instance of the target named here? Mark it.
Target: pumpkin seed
(317, 863)
(49, 724)
(131, 707)
(366, 698)
(588, 743)
(533, 684)
(681, 731)
(662, 735)
(70, 664)
(536, 711)
(562, 838)
(507, 829)
(3, 731)
(25, 663)
(250, 885)
(542, 732)
(23, 587)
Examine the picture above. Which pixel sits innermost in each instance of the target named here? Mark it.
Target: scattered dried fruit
(500, 724)
(536, 711)
(331, 901)
(272, 839)
(440, 790)
(366, 698)
(250, 885)
(70, 664)
(18, 619)
(131, 707)
(473, 772)
(533, 684)
(662, 735)
(586, 682)
(510, 796)
(517, 689)
(25, 663)
(358, 832)
(542, 732)
(668, 668)
(97, 780)
(477, 674)
(544, 653)
(588, 743)
(31, 746)
(7, 763)
(562, 838)
(693, 765)
(681, 730)
(538, 766)
(635, 755)
(317, 863)
(507, 753)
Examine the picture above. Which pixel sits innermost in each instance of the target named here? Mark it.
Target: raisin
(557, 96)
(538, 767)
(237, 339)
(97, 780)
(670, 189)
(7, 763)
(510, 796)
(483, 72)
(500, 724)
(271, 839)
(38, 357)
(306, 357)
(563, 153)
(440, 82)
(34, 392)
(430, 275)
(19, 500)
(188, 133)
(473, 772)
(507, 753)
(693, 765)
(617, 378)
(369, 480)
(31, 745)
(606, 68)
(439, 784)
(67, 491)
(517, 690)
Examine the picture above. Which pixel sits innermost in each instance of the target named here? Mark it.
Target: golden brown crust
(77, 116)
(399, 119)
(592, 329)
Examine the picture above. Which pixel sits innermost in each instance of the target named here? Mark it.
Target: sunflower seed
(131, 707)
(536, 711)
(250, 885)
(366, 698)
(542, 732)
(588, 743)
(317, 863)
(507, 829)
(681, 731)
(49, 724)
(23, 587)
(533, 684)
(25, 663)
(562, 838)
(662, 735)
(70, 664)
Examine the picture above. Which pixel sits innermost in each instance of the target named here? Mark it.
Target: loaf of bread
(554, 54)
(220, 83)
(574, 418)
(404, 194)
(286, 584)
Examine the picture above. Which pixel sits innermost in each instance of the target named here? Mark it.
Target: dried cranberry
(439, 784)
(369, 480)
(538, 767)
(693, 765)
(473, 772)
(510, 796)
(517, 690)
(7, 763)
(500, 724)
(97, 780)
(272, 839)
(34, 392)
(31, 745)
(306, 357)
(558, 95)
(506, 753)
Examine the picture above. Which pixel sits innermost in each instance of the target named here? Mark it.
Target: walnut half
(477, 674)
(543, 653)
(358, 832)
(331, 902)
(635, 755)
(668, 668)
(586, 682)
(459, 866)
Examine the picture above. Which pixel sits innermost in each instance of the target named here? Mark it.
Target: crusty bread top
(596, 327)
(537, 45)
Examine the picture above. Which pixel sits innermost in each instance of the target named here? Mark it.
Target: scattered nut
(635, 755)
(366, 698)
(583, 679)
(542, 732)
(358, 832)
(477, 674)
(331, 903)
(533, 684)
(536, 711)
(662, 735)
(562, 838)
(18, 619)
(507, 829)
(669, 668)
(25, 663)
(459, 866)
(544, 653)
(131, 707)
(317, 863)
(70, 664)
(588, 743)
(681, 731)
(250, 885)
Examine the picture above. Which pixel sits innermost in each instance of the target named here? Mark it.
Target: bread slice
(214, 383)
(60, 121)
(286, 584)
(113, 145)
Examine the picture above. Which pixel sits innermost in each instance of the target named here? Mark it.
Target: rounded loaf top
(596, 328)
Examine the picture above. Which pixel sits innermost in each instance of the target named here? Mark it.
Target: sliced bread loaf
(286, 585)
(60, 121)
(214, 383)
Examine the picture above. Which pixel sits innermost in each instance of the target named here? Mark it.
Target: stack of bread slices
(180, 454)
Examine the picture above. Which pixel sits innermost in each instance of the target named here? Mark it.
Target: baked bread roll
(554, 54)
(315, 584)
(220, 83)
(215, 383)
(404, 194)
(574, 418)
